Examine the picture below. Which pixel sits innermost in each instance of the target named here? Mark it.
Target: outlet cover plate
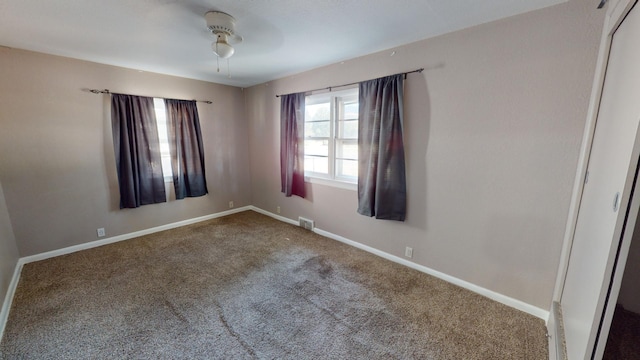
(408, 252)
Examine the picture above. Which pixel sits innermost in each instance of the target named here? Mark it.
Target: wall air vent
(306, 223)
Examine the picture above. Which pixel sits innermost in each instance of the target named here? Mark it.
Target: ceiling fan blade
(235, 39)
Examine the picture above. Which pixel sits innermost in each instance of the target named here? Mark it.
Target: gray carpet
(249, 287)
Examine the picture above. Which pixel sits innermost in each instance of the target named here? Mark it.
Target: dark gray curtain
(187, 152)
(381, 171)
(292, 144)
(137, 150)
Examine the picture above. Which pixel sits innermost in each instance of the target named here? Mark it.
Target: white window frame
(334, 98)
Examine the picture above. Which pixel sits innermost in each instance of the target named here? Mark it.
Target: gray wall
(8, 249)
(57, 165)
(493, 128)
(492, 133)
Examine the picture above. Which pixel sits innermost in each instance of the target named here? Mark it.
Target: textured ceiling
(282, 37)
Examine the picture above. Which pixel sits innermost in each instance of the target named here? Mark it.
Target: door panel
(611, 170)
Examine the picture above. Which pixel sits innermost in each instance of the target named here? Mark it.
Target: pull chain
(217, 57)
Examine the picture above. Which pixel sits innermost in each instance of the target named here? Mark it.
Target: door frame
(617, 10)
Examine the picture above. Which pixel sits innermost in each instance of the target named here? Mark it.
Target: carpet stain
(175, 311)
(318, 264)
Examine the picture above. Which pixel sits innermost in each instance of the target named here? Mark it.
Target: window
(140, 156)
(163, 136)
(331, 136)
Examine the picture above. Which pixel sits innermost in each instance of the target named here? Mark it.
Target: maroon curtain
(382, 190)
(187, 151)
(292, 144)
(137, 150)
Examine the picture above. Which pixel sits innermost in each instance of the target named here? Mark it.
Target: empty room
(219, 179)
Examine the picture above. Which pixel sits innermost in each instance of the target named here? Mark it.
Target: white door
(605, 197)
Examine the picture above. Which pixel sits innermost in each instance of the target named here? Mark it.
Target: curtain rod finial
(95, 91)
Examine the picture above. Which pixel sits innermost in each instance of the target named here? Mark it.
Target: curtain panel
(137, 151)
(381, 167)
(292, 144)
(187, 151)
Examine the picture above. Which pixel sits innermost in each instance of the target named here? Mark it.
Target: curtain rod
(106, 91)
(354, 83)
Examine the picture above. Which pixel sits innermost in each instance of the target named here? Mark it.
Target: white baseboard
(114, 239)
(277, 217)
(506, 300)
(555, 333)
(8, 299)
(517, 304)
(511, 302)
(551, 339)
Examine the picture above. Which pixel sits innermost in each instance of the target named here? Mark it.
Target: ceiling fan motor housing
(219, 22)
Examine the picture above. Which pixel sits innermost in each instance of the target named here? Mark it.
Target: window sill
(330, 182)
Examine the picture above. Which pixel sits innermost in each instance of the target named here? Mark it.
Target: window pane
(316, 164)
(348, 129)
(316, 147)
(347, 149)
(317, 129)
(161, 124)
(331, 135)
(166, 164)
(351, 110)
(317, 112)
(347, 169)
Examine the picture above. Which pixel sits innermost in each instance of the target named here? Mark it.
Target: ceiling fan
(223, 26)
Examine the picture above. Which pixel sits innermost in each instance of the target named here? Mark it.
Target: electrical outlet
(278, 209)
(101, 232)
(230, 204)
(408, 252)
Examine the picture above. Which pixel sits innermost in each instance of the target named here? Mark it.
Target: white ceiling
(281, 37)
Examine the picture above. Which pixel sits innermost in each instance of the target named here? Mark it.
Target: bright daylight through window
(331, 135)
(163, 136)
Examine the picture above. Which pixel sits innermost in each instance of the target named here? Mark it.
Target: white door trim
(616, 12)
